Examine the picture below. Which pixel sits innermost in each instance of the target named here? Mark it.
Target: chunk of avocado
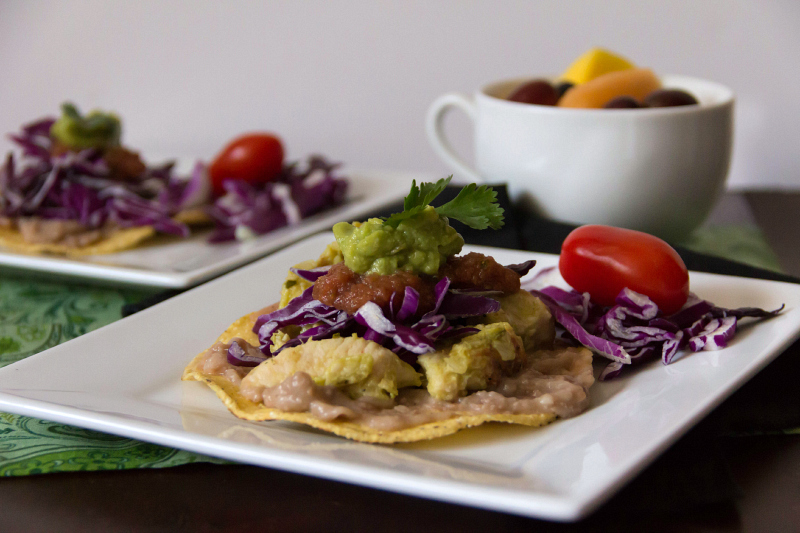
(357, 366)
(474, 362)
(528, 316)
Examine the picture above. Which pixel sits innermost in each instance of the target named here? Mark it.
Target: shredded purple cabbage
(523, 268)
(403, 331)
(78, 186)
(634, 329)
(313, 274)
(371, 315)
(577, 329)
(241, 353)
(300, 191)
(456, 305)
(410, 304)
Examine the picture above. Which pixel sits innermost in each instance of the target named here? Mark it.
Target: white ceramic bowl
(659, 170)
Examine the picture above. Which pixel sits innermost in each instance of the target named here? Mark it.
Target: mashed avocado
(419, 244)
(95, 130)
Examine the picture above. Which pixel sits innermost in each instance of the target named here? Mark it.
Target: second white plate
(170, 262)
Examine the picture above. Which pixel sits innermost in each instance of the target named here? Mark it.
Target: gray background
(352, 79)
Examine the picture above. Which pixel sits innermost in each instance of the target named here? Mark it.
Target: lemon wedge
(594, 63)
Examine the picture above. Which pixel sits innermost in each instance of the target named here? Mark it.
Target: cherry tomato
(254, 158)
(603, 260)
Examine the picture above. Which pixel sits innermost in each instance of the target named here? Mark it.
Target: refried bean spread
(561, 391)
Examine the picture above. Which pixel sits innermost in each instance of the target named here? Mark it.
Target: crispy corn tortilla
(193, 216)
(119, 240)
(248, 410)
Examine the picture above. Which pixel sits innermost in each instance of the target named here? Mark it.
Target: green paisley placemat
(31, 446)
(34, 316)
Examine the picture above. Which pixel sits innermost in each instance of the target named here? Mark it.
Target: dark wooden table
(712, 479)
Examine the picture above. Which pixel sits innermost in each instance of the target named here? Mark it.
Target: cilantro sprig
(476, 206)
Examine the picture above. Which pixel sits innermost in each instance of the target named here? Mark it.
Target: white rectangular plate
(172, 262)
(125, 379)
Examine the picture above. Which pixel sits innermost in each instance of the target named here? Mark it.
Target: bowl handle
(434, 126)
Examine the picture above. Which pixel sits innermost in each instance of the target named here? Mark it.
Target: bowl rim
(725, 98)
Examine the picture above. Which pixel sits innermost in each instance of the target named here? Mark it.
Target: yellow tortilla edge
(245, 409)
(121, 239)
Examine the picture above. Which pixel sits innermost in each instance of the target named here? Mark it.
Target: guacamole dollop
(95, 130)
(419, 244)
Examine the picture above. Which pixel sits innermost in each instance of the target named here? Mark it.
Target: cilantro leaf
(425, 193)
(474, 206)
(418, 199)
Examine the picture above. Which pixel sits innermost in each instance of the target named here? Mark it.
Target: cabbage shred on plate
(634, 330)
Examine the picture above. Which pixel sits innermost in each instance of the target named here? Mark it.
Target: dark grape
(669, 98)
(563, 87)
(539, 92)
(623, 102)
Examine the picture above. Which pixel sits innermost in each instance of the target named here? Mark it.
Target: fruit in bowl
(602, 80)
